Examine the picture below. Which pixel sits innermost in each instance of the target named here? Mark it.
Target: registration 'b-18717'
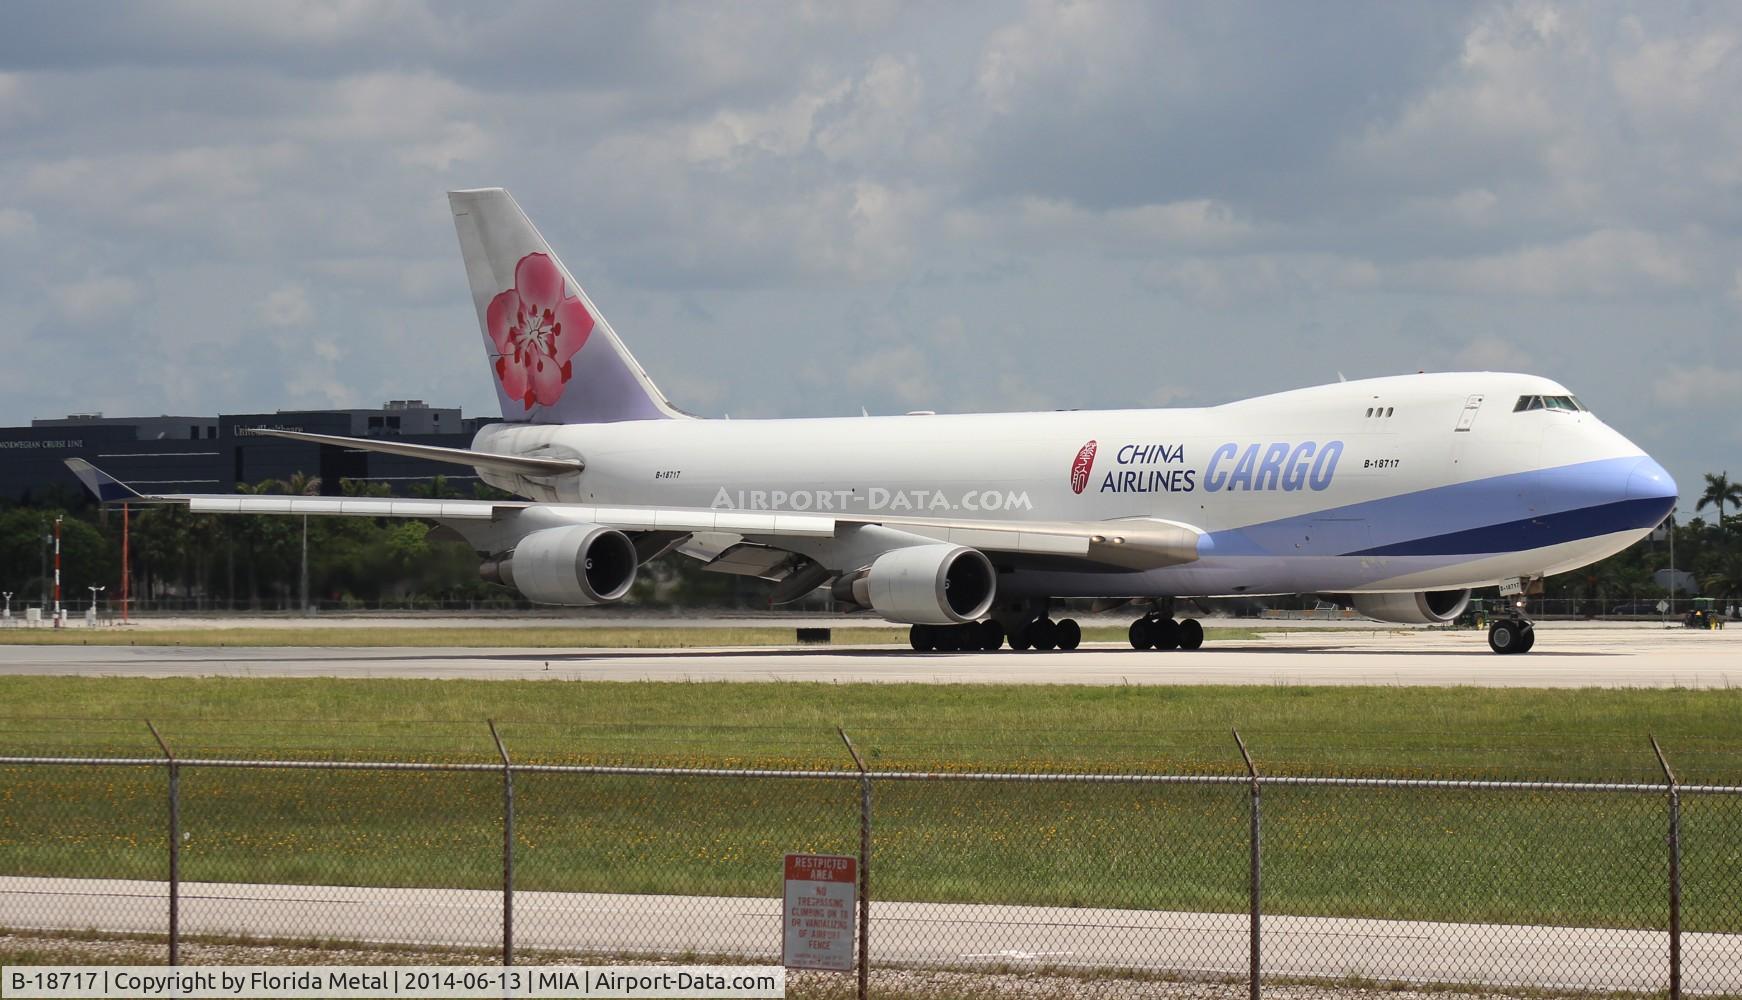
(1397, 495)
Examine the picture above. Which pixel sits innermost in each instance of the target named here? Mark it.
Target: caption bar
(295, 982)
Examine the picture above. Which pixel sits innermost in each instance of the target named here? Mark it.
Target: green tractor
(1704, 614)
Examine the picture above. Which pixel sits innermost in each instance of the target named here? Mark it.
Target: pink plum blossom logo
(536, 328)
(1081, 466)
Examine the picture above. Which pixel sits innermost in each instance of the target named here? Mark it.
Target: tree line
(1709, 550)
(255, 561)
(182, 560)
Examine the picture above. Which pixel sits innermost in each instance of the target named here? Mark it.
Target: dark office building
(212, 454)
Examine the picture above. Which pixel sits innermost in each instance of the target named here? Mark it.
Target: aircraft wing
(1134, 543)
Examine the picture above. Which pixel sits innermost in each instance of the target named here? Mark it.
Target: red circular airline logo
(1080, 467)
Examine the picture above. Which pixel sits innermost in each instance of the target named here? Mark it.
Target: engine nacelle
(925, 585)
(1424, 607)
(577, 565)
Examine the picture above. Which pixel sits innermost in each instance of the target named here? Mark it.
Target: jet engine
(576, 565)
(1424, 607)
(925, 585)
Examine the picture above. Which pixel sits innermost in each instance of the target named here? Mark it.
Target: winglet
(104, 487)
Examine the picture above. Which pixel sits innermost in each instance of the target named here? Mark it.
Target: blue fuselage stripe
(1509, 513)
(1534, 532)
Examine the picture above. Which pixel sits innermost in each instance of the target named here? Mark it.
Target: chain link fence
(1097, 885)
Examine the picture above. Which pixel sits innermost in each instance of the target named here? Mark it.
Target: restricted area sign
(822, 892)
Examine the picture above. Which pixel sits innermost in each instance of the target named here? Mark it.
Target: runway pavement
(1641, 656)
(925, 935)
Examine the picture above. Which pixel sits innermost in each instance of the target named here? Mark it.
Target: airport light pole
(94, 592)
(8, 605)
(1672, 579)
(304, 587)
(57, 622)
(125, 574)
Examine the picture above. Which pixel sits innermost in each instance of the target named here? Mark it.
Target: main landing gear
(1511, 635)
(1041, 633)
(1160, 631)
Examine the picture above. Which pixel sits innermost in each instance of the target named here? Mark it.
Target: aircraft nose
(1649, 481)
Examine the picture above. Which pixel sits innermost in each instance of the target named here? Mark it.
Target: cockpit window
(1549, 403)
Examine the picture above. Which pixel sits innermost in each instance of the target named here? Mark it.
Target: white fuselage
(1388, 484)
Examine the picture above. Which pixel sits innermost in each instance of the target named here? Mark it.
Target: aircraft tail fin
(553, 357)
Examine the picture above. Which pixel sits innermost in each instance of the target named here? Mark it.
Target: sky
(792, 209)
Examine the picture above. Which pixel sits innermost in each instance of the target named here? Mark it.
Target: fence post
(507, 848)
(174, 847)
(864, 867)
(1255, 840)
(1675, 874)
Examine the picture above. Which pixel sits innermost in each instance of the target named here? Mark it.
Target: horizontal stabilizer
(106, 488)
(511, 464)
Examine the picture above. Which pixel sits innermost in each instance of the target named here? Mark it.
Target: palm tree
(301, 484)
(364, 488)
(438, 488)
(1720, 491)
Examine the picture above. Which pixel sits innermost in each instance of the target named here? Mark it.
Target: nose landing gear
(1511, 635)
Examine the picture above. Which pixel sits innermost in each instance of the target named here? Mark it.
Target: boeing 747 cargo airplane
(1395, 495)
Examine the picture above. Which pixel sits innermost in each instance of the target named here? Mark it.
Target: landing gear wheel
(1166, 633)
(920, 637)
(1506, 636)
(967, 635)
(1140, 634)
(991, 635)
(1019, 639)
(1528, 639)
(1043, 634)
(1191, 634)
(1070, 634)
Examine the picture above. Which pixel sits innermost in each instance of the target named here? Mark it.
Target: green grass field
(1447, 854)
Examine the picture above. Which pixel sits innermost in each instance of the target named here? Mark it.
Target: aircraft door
(1461, 431)
(1468, 417)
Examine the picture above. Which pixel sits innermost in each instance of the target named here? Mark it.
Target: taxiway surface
(1563, 657)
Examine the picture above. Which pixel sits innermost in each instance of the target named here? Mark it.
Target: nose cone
(1649, 481)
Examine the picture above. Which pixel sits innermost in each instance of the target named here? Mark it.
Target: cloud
(1241, 278)
(1683, 74)
(1492, 354)
(178, 189)
(1608, 262)
(1688, 388)
(903, 371)
(16, 224)
(96, 299)
(948, 207)
(12, 96)
(286, 306)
